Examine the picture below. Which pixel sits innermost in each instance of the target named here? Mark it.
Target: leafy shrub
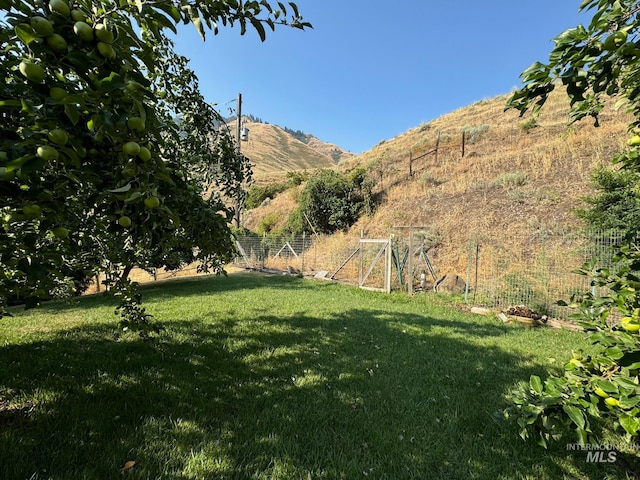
(429, 179)
(329, 202)
(297, 178)
(616, 205)
(473, 134)
(601, 385)
(529, 124)
(511, 179)
(258, 194)
(445, 138)
(268, 223)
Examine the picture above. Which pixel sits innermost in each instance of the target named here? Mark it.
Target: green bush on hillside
(258, 194)
(332, 201)
(616, 206)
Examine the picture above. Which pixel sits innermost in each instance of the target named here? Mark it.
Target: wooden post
(437, 145)
(463, 135)
(410, 163)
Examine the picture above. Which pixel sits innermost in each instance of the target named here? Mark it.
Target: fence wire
(540, 275)
(537, 274)
(305, 254)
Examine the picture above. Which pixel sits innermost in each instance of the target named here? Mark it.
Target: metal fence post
(302, 254)
(469, 259)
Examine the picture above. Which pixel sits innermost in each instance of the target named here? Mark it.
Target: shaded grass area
(263, 377)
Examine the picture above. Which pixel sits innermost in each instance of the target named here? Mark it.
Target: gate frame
(385, 250)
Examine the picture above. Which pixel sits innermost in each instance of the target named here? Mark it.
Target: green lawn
(271, 377)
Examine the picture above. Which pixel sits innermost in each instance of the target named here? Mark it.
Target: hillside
(517, 182)
(273, 152)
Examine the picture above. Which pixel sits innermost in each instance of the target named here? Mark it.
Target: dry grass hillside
(516, 182)
(273, 152)
(512, 180)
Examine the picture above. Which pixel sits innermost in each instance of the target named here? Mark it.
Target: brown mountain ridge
(273, 151)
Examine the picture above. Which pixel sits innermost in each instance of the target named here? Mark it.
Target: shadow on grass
(167, 289)
(364, 393)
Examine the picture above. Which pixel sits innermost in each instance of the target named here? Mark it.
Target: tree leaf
(123, 189)
(630, 424)
(536, 384)
(10, 103)
(575, 414)
(133, 197)
(257, 24)
(72, 113)
(26, 33)
(582, 436)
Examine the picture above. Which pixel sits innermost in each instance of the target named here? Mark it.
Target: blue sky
(369, 69)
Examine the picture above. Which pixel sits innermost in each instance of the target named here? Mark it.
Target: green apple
(103, 33)
(58, 136)
(136, 123)
(131, 148)
(57, 93)
(60, 232)
(145, 154)
(83, 30)
(106, 50)
(32, 71)
(47, 153)
(152, 202)
(61, 7)
(32, 210)
(78, 15)
(634, 141)
(57, 43)
(42, 26)
(124, 221)
(615, 40)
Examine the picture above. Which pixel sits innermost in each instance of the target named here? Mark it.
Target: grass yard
(270, 377)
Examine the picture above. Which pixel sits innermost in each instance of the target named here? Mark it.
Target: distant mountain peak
(274, 150)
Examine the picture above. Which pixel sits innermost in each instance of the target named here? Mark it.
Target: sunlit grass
(262, 377)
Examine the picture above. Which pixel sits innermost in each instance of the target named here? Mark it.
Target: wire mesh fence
(303, 254)
(533, 271)
(540, 275)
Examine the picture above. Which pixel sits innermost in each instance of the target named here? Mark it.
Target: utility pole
(238, 154)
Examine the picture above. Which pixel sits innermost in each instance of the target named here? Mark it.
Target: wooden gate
(381, 260)
(383, 247)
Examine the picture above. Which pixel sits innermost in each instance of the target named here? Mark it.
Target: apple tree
(592, 63)
(110, 158)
